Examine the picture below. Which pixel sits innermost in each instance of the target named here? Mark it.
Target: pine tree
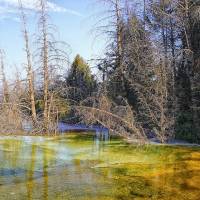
(80, 81)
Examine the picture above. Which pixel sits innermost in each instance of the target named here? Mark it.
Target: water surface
(79, 167)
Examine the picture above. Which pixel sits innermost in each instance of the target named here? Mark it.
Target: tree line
(146, 85)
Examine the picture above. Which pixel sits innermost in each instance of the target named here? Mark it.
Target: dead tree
(114, 14)
(119, 119)
(50, 58)
(5, 90)
(10, 105)
(45, 59)
(29, 64)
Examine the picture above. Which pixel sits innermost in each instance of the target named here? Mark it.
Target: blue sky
(73, 18)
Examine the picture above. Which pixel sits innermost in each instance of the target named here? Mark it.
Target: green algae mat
(80, 167)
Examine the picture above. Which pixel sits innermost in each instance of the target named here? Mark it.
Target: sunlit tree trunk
(30, 75)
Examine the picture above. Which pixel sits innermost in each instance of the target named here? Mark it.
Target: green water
(78, 167)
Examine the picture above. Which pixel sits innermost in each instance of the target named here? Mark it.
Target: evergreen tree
(80, 81)
(194, 40)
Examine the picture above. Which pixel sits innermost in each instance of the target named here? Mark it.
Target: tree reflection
(45, 175)
(30, 173)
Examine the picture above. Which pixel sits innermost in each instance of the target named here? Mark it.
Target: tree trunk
(29, 65)
(4, 81)
(45, 62)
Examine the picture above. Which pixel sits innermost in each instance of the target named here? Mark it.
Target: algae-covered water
(79, 167)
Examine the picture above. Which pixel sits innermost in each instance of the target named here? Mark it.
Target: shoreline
(153, 141)
(128, 140)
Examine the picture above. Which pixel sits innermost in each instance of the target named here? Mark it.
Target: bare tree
(5, 93)
(51, 58)
(119, 119)
(45, 58)
(29, 65)
(10, 105)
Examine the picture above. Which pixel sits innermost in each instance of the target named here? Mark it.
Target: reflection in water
(45, 175)
(30, 173)
(102, 135)
(81, 168)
